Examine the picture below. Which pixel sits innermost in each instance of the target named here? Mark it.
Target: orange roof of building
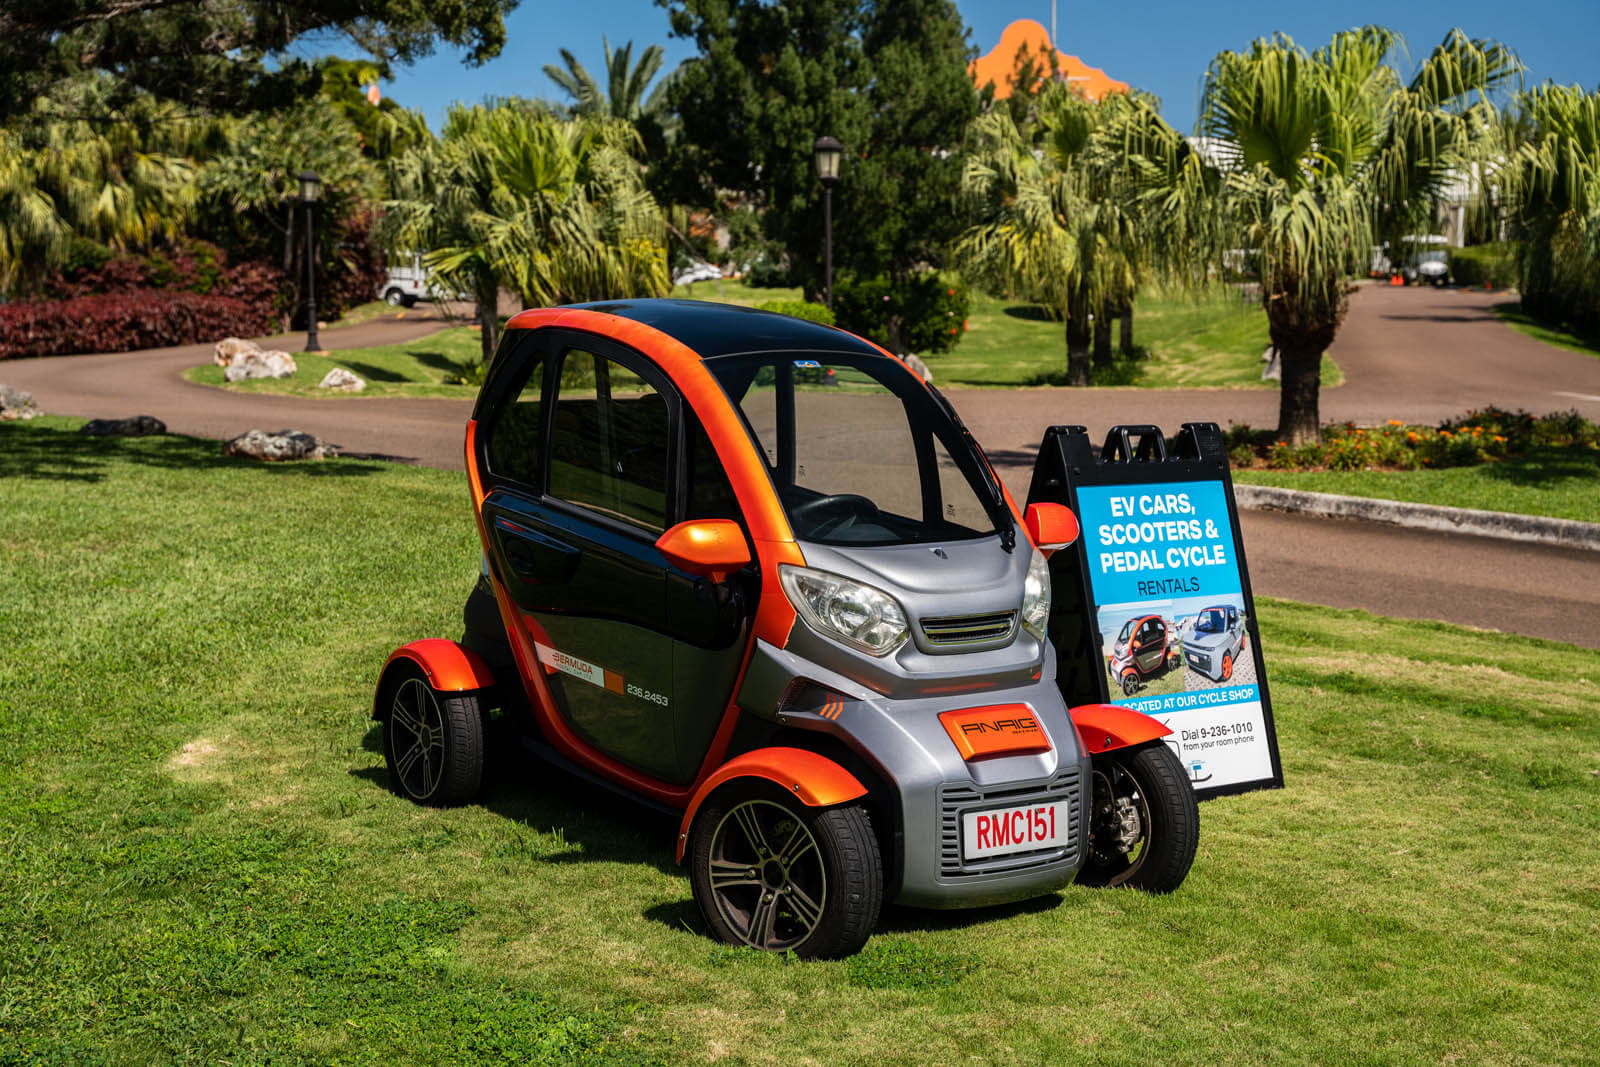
(1000, 65)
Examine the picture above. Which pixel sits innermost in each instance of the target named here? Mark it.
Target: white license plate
(1007, 830)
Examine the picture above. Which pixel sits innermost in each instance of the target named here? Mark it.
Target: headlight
(1036, 597)
(858, 615)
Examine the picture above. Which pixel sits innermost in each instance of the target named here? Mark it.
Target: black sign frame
(1133, 455)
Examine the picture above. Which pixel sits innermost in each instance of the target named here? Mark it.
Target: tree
(1062, 213)
(554, 210)
(225, 55)
(1320, 152)
(64, 178)
(1553, 179)
(626, 83)
(886, 77)
(251, 189)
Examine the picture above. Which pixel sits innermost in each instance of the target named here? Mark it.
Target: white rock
(340, 378)
(283, 445)
(16, 404)
(915, 363)
(231, 348)
(259, 364)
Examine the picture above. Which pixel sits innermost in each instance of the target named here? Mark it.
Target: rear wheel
(394, 297)
(1144, 823)
(773, 874)
(1227, 667)
(432, 741)
(1130, 683)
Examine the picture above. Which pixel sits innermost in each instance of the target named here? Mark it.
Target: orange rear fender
(448, 666)
(1103, 727)
(816, 781)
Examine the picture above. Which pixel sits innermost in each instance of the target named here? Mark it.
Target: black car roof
(726, 329)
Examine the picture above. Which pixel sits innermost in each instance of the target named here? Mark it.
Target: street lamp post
(310, 193)
(828, 152)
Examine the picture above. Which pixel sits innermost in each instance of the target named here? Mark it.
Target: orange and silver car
(754, 570)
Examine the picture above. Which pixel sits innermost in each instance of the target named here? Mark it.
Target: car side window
(610, 441)
(514, 438)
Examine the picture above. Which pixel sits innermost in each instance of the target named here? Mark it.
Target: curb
(1564, 533)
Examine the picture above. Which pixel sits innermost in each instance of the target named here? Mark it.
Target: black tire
(1144, 823)
(773, 874)
(394, 297)
(1130, 683)
(432, 741)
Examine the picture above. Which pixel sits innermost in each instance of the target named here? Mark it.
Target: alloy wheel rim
(767, 876)
(416, 738)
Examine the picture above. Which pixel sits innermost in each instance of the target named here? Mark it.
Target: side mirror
(711, 548)
(1051, 526)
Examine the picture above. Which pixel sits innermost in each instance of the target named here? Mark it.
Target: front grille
(957, 800)
(969, 629)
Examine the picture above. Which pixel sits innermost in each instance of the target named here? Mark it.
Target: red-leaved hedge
(125, 322)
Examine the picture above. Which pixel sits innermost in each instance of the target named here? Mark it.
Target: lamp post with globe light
(828, 151)
(310, 193)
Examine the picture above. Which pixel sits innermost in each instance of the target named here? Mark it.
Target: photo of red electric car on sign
(1145, 647)
(755, 571)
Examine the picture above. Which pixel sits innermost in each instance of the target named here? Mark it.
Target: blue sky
(1162, 46)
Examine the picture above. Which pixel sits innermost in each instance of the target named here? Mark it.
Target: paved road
(1415, 354)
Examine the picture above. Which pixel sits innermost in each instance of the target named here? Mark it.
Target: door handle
(533, 556)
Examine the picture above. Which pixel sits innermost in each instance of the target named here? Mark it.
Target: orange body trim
(997, 730)
(815, 780)
(1051, 526)
(1103, 727)
(472, 464)
(448, 667)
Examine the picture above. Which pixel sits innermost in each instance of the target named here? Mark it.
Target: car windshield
(1127, 628)
(859, 451)
(1210, 622)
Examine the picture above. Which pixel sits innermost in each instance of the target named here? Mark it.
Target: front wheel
(773, 874)
(1144, 823)
(394, 298)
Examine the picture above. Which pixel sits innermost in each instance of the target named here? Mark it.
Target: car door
(1152, 645)
(585, 470)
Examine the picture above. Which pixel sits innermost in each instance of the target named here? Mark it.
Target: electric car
(1144, 647)
(1217, 640)
(754, 570)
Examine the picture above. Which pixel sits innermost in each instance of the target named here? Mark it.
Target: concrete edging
(1565, 533)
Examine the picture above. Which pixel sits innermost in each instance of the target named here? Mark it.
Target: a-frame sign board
(1152, 606)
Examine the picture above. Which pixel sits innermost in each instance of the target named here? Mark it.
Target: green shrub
(799, 309)
(1491, 264)
(925, 314)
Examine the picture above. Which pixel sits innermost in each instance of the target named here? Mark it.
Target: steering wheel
(836, 506)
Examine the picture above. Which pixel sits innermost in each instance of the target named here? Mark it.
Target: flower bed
(1479, 437)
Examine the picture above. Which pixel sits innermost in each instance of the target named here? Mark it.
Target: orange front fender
(1103, 727)
(448, 666)
(815, 780)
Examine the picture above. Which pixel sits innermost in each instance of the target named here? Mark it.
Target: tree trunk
(487, 303)
(1127, 331)
(1298, 420)
(1102, 338)
(1077, 351)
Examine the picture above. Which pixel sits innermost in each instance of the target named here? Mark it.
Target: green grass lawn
(1212, 340)
(1513, 316)
(201, 861)
(1563, 483)
(416, 368)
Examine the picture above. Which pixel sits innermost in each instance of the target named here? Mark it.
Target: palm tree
(554, 210)
(1320, 152)
(625, 95)
(1554, 180)
(1060, 222)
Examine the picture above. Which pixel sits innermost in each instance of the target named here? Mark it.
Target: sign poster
(1170, 607)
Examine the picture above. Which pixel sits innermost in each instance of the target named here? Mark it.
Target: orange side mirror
(710, 548)
(1051, 526)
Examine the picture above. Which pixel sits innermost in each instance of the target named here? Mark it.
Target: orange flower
(1396, 422)
(1444, 433)
(1499, 440)
(1411, 435)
